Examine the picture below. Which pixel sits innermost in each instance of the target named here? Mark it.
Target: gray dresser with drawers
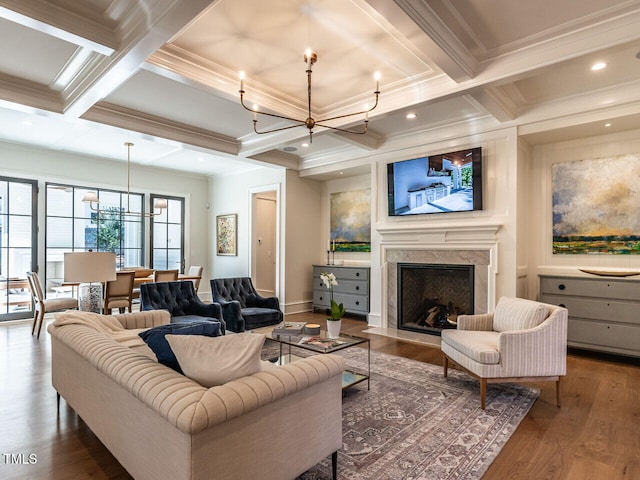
(604, 313)
(352, 289)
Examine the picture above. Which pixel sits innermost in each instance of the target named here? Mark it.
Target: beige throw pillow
(212, 361)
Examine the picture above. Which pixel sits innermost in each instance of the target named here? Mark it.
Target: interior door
(18, 245)
(264, 235)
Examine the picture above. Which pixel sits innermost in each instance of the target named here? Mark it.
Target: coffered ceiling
(87, 76)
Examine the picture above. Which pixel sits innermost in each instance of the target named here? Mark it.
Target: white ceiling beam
(61, 23)
(418, 22)
(496, 102)
(128, 119)
(369, 141)
(278, 158)
(150, 33)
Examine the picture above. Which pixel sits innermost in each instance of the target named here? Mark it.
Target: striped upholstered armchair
(520, 341)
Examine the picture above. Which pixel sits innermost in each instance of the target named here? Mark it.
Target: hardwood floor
(595, 435)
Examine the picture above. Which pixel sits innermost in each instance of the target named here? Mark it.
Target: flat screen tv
(443, 183)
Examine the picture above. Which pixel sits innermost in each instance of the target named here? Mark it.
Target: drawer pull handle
(357, 303)
(561, 286)
(357, 287)
(321, 298)
(357, 274)
(561, 305)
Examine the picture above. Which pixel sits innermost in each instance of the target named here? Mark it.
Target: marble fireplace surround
(452, 245)
(479, 258)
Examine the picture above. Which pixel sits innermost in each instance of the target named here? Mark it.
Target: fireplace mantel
(433, 234)
(474, 244)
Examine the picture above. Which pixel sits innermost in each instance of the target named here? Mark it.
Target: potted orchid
(334, 322)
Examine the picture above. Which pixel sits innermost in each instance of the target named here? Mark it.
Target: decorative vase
(333, 328)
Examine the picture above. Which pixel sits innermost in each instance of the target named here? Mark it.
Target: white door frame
(252, 191)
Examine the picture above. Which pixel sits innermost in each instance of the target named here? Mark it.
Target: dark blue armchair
(242, 307)
(182, 302)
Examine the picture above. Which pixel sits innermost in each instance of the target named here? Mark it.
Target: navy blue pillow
(154, 338)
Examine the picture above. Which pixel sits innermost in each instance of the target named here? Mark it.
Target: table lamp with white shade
(90, 270)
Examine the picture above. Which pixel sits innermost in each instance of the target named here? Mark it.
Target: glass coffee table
(321, 344)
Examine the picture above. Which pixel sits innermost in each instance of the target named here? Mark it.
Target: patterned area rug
(415, 424)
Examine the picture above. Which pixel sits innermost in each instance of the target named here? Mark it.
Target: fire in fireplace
(430, 297)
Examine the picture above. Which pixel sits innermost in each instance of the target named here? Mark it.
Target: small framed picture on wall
(227, 234)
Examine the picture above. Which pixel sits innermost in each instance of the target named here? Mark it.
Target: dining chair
(46, 305)
(195, 271)
(165, 275)
(118, 293)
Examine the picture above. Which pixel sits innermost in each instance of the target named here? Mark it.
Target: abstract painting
(227, 234)
(596, 206)
(351, 221)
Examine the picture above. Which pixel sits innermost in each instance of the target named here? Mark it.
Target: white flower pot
(333, 328)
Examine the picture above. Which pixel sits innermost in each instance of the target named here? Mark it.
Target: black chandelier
(310, 58)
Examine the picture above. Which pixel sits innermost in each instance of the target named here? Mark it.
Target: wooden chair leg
(35, 321)
(483, 393)
(334, 465)
(445, 364)
(558, 390)
(41, 321)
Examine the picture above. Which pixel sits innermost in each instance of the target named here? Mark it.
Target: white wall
(232, 194)
(523, 223)
(303, 240)
(51, 166)
(347, 184)
(540, 205)
(300, 230)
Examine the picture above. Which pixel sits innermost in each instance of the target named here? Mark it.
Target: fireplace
(483, 284)
(431, 296)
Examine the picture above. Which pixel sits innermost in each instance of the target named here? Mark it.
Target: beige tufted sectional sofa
(159, 424)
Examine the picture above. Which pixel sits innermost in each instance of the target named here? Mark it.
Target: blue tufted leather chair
(242, 307)
(180, 299)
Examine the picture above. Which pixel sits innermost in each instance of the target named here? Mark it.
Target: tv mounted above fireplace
(442, 183)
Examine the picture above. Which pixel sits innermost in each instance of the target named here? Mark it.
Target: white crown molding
(625, 96)
(594, 24)
(23, 92)
(226, 81)
(129, 119)
(61, 23)
(607, 34)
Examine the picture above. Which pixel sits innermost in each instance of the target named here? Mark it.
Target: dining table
(138, 280)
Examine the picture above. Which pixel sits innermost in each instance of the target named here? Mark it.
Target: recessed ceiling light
(598, 66)
(289, 149)
(27, 123)
(607, 124)
(411, 116)
(305, 145)
(341, 173)
(200, 159)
